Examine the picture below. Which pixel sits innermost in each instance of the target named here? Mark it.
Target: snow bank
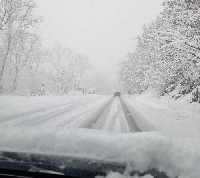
(141, 151)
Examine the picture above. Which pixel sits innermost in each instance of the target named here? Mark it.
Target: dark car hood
(66, 165)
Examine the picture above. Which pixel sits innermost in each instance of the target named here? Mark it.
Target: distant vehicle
(117, 94)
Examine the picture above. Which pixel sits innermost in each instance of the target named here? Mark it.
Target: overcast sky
(102, 29)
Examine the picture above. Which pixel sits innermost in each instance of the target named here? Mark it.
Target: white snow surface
(140, 150)
(178, 154)
(112, 119)
(174, 118)
(13, 106)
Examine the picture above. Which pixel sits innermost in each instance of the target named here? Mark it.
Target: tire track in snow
(35, 111)
(43, 118)
(66, 122)
(110, 123)
(131, 122)
(114, 119)
(88, 120)
(123, 122)
(11, 121)
(103, 117)
(118, 128)
(93, 117)
(84, 110)
(117, 122)
(111, 118)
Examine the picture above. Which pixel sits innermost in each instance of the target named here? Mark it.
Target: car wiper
(63, 166)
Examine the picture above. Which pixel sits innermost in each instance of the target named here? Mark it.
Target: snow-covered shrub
(196, 95)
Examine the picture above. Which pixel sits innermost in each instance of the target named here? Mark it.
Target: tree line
(25, 64)
(167, 56)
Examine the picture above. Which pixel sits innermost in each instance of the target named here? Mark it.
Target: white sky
(102, 29)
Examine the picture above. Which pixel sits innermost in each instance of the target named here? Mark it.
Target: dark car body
(19, 164)
(117, 94)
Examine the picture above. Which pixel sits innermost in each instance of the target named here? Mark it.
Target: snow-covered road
(94, 112)
(174, 118)
(90, 126)
(113, 118)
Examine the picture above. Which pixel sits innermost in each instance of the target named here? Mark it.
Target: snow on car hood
(139, 150)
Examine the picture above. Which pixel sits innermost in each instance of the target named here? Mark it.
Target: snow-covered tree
(16, 18)
(168, 52)
(36, 55)
(69, 69)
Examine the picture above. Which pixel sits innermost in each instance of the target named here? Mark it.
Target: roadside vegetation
(26, 64)
(167, 57)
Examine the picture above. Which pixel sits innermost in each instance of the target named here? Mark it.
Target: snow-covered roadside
(141, 151)
(174, 118)
(15, 105)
